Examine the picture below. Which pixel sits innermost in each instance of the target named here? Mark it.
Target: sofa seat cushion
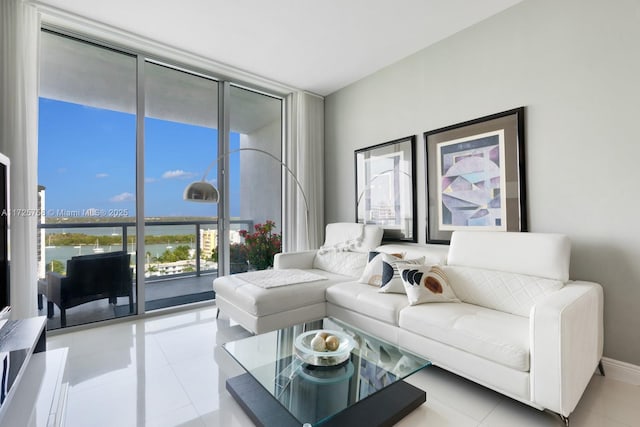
(258, 301)
(365, 299)
(497, 336)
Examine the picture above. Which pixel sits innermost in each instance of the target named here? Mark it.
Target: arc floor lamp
(204, 192)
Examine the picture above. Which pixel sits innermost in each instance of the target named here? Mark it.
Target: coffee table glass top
(314, 394)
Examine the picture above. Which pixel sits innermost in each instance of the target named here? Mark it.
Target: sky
(87, 162)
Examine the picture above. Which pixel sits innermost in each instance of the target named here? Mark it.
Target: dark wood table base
(382, 409)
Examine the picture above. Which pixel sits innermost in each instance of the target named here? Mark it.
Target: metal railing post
(197, 249)
(124, 238)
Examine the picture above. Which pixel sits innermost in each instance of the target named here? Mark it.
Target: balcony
(177, 269)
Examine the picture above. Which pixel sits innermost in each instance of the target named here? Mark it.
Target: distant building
(208, 242)
(169, 268)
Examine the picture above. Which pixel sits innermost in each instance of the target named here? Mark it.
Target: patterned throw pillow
(373, 271)
(425, 284)
(391, 280)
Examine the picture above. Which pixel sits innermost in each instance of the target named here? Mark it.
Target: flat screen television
(5, 216)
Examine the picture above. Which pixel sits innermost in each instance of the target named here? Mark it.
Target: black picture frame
(476, 176)
(386, 188)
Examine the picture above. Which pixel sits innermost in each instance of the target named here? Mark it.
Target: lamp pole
(228, 153)
(202, 183)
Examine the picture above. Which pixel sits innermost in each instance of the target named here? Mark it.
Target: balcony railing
(125, 229)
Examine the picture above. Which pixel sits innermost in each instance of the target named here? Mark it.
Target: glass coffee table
(280, 389)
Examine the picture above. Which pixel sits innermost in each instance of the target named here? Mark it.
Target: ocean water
(63, 253)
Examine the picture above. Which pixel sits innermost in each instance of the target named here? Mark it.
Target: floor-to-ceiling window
(87, 179)
(180, 137)
(92, 124)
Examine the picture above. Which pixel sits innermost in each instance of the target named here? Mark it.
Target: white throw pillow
(341, 262)
(391, 280)
(373, 271)
(425, 284)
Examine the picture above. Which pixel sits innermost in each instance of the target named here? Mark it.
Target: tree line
(73, 239)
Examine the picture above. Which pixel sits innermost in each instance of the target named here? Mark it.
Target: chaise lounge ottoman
(260, 304)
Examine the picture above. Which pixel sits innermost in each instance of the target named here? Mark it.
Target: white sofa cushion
(258, 301)
(338, 232)
(366, 300)
(352, 237)
(425, 284)
(509, 292)
(534, 254)
(346, 247)
(371, 238)
(346, 263)
(500, 337)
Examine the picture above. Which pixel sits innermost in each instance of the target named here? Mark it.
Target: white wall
(575, 66)
(261, 180)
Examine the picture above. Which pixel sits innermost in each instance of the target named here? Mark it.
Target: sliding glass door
(180, 140)
(87, 181)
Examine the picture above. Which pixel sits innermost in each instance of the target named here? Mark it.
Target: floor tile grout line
(495, 407)
(458, 411)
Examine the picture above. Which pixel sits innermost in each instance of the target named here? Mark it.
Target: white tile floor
(169, 371)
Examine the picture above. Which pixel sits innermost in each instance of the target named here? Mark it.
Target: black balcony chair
(90, 278)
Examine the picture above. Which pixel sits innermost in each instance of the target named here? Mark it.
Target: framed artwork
(476, 176)
(386, 188)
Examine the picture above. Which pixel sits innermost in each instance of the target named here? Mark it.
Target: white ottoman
(261, 310)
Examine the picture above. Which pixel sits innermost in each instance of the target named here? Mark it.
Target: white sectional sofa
(521, 327)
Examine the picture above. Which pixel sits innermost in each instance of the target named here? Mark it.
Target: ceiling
(80, 73)
(318, 46)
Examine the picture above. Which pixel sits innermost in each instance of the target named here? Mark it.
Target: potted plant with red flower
(262, 245)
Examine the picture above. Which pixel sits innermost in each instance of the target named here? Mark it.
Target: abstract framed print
(476, 176)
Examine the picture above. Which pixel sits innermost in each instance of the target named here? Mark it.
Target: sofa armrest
(566, 332)
(303, 260)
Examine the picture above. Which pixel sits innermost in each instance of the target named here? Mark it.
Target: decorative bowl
(327, 374)
(307, 354)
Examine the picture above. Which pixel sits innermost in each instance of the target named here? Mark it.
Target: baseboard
(621, 371)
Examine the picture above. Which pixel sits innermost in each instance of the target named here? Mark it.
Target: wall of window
(121, 137)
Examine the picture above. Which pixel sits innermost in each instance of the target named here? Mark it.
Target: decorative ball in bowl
(324, 347)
